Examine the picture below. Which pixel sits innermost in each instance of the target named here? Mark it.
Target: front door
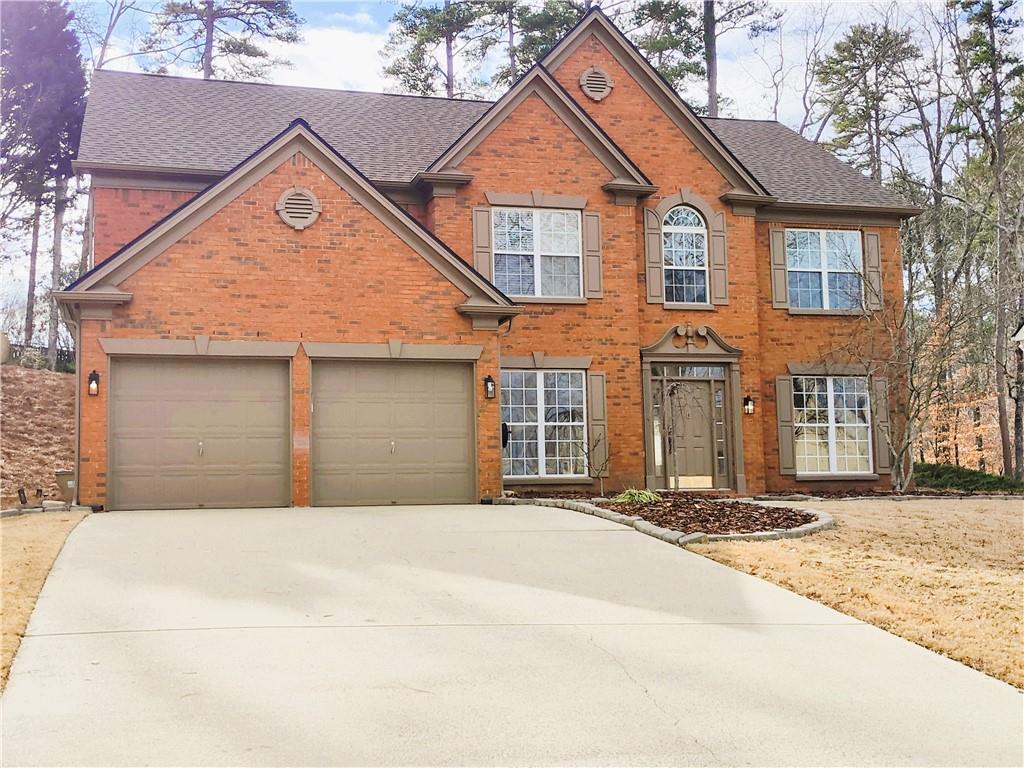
(689, 435)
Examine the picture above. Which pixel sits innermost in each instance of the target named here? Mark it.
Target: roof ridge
(157, 76)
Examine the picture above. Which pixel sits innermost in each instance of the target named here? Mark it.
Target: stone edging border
(823, 523)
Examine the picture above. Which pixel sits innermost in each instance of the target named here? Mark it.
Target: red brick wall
(120, 215)
(769, 338)
(533, 150)
(244, 274)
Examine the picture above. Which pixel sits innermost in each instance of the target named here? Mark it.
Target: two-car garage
(188, 432)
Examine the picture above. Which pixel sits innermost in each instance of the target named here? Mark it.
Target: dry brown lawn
(28, 546)
(947, 574)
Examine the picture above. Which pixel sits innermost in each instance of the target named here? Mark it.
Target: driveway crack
(629, 675)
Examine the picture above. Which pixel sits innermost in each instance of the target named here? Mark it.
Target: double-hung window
(825, 269)
(546, 416)
(832, 425)
(537, 252)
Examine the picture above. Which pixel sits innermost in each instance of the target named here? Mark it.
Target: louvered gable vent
(596, 83)
(298, 207)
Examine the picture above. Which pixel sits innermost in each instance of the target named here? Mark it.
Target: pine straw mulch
(708, 514)
(37, 425)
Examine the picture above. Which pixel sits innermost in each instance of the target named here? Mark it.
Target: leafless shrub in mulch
(709, 514)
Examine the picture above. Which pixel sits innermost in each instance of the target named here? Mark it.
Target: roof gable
(299, 137)
(538, 81)
(597, 25)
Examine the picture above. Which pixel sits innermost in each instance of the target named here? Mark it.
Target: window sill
(569, 480)
(831, 312)
(833, 477)
(682, 305)
(548, 299)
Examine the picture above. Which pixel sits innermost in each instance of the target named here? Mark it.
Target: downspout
(76, 328)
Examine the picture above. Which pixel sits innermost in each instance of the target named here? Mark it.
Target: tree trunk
(1018, 418)
(711, 56)
(33, 255)
(512, 42)
(209, 19)
(60, 196)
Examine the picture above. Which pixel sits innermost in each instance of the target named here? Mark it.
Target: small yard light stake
(748, 404)
(94, 384)
(489, 389)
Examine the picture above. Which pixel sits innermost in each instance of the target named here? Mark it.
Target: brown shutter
(880, 425)
(652, 249)
(719, 261)
(593, 286)
(597, 425)
(873, 270)
(483, 259)
(780, 280)
(787, 433)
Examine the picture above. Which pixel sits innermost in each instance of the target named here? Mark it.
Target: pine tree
(723, 16)
(668, 34)
(43, 102)
(859, 80)
(221, 37)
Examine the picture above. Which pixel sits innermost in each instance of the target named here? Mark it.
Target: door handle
(200, 447)
(392, 447)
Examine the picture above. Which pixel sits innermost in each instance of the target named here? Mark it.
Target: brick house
(303, 296)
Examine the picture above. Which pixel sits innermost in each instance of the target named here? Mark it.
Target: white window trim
(823, 269)
(541, 423)
(537, 254)
(669, 228)
(832, 424)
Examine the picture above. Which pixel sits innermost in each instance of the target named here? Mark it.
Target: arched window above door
(684, 249)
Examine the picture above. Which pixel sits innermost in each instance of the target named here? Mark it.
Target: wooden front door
(690, 434)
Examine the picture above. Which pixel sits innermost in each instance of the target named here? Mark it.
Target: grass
(950, 477)
(28, 546)
(946, 574)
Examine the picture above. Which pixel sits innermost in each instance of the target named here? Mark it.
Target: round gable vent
(298, 207)
(596, 83)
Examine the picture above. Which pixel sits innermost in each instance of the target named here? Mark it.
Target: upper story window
(537, 252)
(825, 269)
(684, 247)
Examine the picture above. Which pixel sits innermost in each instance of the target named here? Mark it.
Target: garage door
(392, 433)
(198, 433)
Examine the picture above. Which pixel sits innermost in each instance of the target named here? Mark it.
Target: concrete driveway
(461, 635)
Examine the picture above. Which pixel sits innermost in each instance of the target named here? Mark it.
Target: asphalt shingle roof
(179, 123)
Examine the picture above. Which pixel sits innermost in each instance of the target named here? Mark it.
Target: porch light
(748, 404)
(489, 389)
(94, 384)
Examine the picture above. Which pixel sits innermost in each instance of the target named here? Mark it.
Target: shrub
(948, 476)
(636, 496)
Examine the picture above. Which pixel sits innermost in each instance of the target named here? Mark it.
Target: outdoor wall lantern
(94, 384)
(748, 404)
(489, 389)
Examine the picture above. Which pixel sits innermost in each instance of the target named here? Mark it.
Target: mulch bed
(707, 514)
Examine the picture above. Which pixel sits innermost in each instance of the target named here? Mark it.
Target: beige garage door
(392, 433)
(198, 433)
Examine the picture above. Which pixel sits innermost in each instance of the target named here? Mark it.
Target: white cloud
(357, 19)
(333, 57)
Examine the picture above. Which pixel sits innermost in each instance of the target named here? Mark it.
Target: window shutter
(780, 280)
(652, 249)
(597, 425)
(880, 425)
(719, 261)
(873, 270)
(483, 259)
(593, 287)
(787, 433)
